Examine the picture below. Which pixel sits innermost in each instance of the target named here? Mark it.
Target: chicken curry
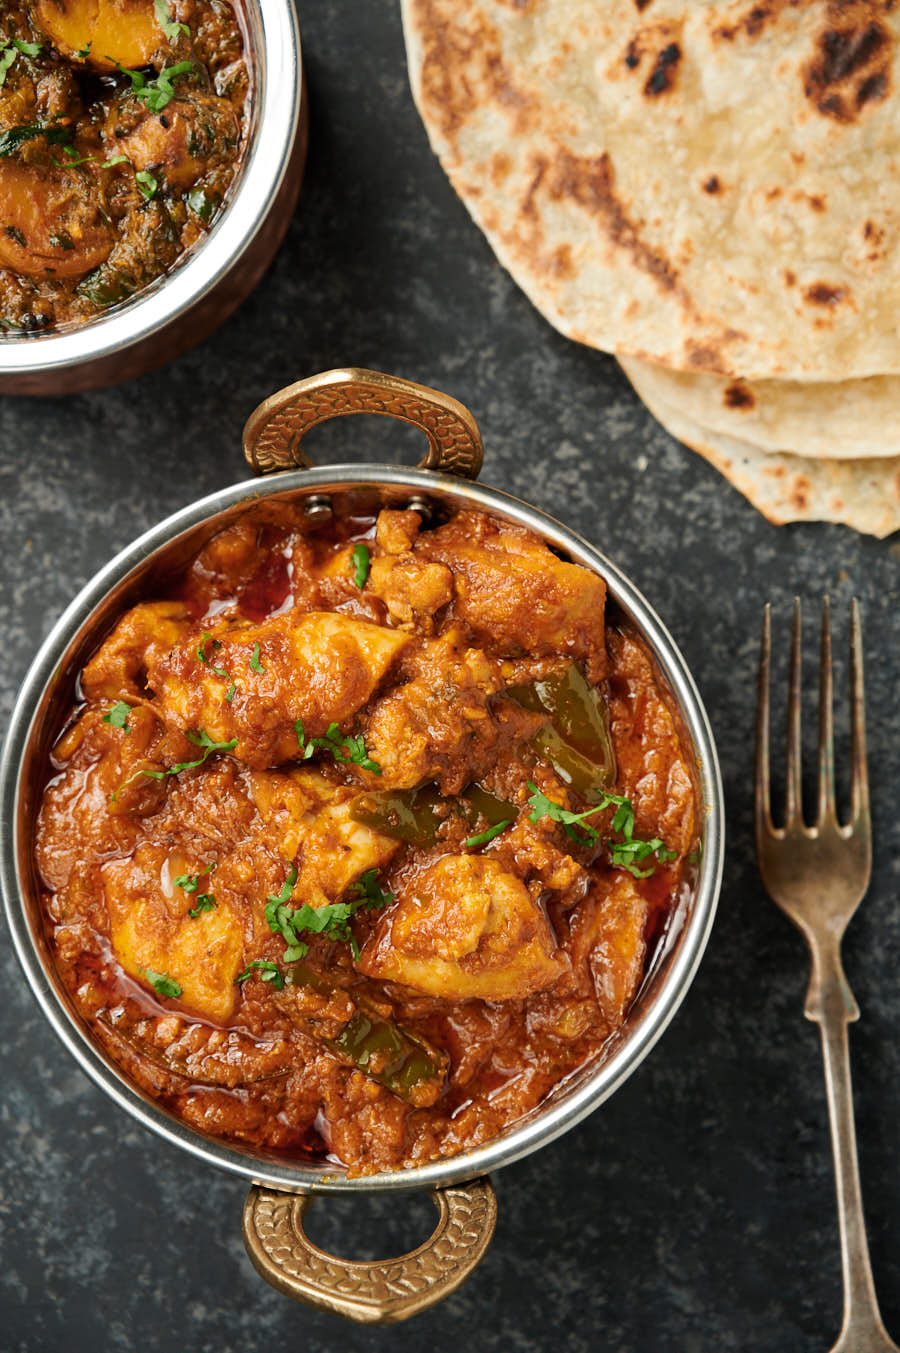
(121, 126)
(361, 837)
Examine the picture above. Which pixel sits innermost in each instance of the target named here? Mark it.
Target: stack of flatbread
(711, 191)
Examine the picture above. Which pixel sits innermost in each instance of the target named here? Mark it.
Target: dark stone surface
(695, 1210)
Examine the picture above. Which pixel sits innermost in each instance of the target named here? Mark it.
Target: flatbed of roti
(710, 191)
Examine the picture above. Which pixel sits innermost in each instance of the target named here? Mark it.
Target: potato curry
(361, 837)
(121, 125)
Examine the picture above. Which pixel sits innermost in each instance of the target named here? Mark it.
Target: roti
(830, 420)
(711, 186)
(862, 493)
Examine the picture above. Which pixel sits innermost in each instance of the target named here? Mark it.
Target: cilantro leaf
(15, 137)
(148, 186)
(200, 739)
(360, 562)
(117, 717)
(347, 748)
(7, 57)
(267, 971)
(31, 49)
(190, 882)
(162, 983)
(169, 26)
(156, 94)
(84, 52)
(625, 854)
(254, 661)
(205, 902)
(332, 919)
(206, 638)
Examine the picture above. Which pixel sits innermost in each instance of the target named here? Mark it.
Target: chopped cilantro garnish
(73, 159)
(332, 919)
(360, 562)
(118, 716)
(157, 94)
(15, 137)
(161, 982)
(217, 671)
(254, 661)
(84, 52)
(483, 837)
(200, 739)
(191, 882)
(170, 28)
(148, 186)
(625, 854)
(267, 971)
(7, 57)
(31, 49)
(205, 902)
(343, 747)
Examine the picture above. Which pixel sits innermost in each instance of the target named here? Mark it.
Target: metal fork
(818, 876)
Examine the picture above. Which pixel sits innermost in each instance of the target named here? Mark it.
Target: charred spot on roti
(713, 184)
(501, 164)
(851, 66)
(873, 233)
(801, 492)
(701, 357)
(464, 67)
(737, 396)
(561, 262)
(662, 77)
(589, 180)
(790, 277)
(825, 293)
(632, 55)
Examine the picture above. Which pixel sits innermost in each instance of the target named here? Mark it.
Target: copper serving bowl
(184, 305)
(281, 1188)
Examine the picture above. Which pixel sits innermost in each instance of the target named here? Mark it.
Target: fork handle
(830, 1003)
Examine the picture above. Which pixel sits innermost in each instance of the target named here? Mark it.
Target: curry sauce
(360, 838)
(121, 128)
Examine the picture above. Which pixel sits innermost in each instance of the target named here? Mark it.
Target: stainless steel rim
(551, 1121)
(274, 36)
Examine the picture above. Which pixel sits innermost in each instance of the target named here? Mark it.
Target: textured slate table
(694, 1211)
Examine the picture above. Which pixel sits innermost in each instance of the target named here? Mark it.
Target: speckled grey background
(694, 1211)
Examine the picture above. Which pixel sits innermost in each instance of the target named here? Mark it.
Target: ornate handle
(377, 1293)
(275, 429)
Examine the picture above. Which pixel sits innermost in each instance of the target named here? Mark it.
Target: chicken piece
(179, 145)
(608, 937)
(465, 928)
(51, 222)
(411, 589)
(319, 668)
(150, 929)
(310, 826)
(107, 31)
(396, 532)
(438, 726)
(509, 585)
(116, 670)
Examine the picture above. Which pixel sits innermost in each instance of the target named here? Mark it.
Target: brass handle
(275, 429)
(378, 1293)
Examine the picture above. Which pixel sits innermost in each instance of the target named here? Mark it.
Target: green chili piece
(392, 1056)
(580, 720)
(405, 814)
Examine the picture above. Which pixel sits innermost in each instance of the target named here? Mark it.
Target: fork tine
(763, 807)
(860, 774)
(826, 721)
(793, 787)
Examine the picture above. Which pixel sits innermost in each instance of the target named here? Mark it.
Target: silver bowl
(180, 308)
(391, 1290)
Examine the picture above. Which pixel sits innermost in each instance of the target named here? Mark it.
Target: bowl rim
(272, 29)
(542, 1125)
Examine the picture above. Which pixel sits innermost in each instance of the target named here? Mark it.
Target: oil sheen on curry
(121, 124)
(361, 837)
